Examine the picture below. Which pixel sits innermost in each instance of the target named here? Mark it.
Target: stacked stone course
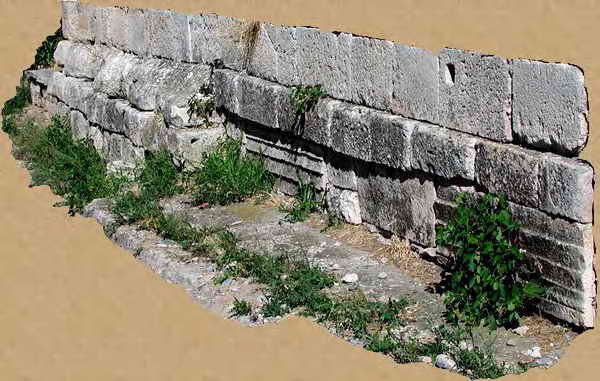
(401, 131)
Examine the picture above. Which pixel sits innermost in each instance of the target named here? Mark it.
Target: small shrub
(304, 98)
(159, 177)
(44, 55)
(240, 308)
(225, 176)
(483, 285)
(15, 105)
(72, 168)
(305, 203)
(202, 105)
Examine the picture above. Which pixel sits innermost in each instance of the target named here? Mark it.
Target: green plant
(202, 105)
(72, 168)
(240, 308)
(333, 221)
(224, 176)
(15, 106)
(304, 98)
(483, 284)
(159, 177)
(44, 55)
(306, 202)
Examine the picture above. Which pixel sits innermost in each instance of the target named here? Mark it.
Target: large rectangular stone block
(324, 58)
(402, 206)
(84, 61)
(168, 35)
(225, 87)
(415, 86)
(77, 93)
(221, 39)
(257, 99)
(117, 29)
(371, 65)
(142, 127)
(567, 188)
(96, 109)
(36, 94)
(341, 172)
(113, 72)
(188, 145)
(75, 23)
(137, 31)
(443, 152)
(315, 124)
(185, 82)
(582, 319)
(475, 94)
(145, 82)
(79, 125)
(273, 56)
(510, 170)
(390, 142)
(550, 107)
(56, 86)
(41, 76)
(351, 131)
(577, 258)
(63, 50)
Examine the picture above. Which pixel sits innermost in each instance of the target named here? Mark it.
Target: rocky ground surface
(262, 229)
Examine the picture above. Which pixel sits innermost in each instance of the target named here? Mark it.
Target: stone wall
(401, 131)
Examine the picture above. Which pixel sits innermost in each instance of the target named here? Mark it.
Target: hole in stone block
(194, 140)
(450, 73)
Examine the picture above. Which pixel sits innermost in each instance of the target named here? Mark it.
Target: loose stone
(445, 362)
(350, 278)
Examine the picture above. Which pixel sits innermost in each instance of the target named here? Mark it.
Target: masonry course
(400, 132)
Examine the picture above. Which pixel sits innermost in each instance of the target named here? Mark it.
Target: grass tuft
(306, 202)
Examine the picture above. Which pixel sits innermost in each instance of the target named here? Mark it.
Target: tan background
(73, 306)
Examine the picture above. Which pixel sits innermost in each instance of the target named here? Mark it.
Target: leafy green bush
(44, 55)
(304, 98)
(225, 176)
(72, 168)
(14, 106)
(159, 177)
(483, 285)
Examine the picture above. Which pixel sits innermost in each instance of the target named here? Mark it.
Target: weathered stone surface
(371, 68)
(222, 39)
(285, 150)
(349, 207)
(63, 50)
(443, 152)
(225, 84)
(315, 125)
(510, 170)
(145, 81)
(567, 255)
(36, 94)
(256, 99)
(557, 228)
(116, 67)
(351, 131)
(189, 144)
(323, 59)
(97, 21)
(97, 138)
(141, 127)
(117, 27)
(585, 319)
(79, 125)
(96, 109)
(184, 83)
(290, 174)
(341, 172)
(390, 142)
(114, 117)
(83, 61)
(137, 43)
(415, 86)
(41, 76)
(475, 94)
(168, 35)
(75, 23)
(549, 105)
(567, 188)
(77, 93)
(274, 54)
(57, 84)
(402, 206)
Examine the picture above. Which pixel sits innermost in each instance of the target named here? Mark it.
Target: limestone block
(509, 169)
(79, 125)
(56, 87)
(137, 42)
(273, 56)
(184, 83)
(62, 52)
(77, 92)
(41, 76)
(225, 83)
(576, 258)
(390, 142)
(567, 188)
(549, 105)
(145, 82)
(256, 98)
(316, 123)
(221, 39)
(141, 127)
(341, 172)
(114, 118)
(350, 207)
(583, 319)
(117, 30)
(36, 94)
(97, 139)
(371, 65)
(321, 58)
(168, 35)
(475, 94)
(415, 86)
(188, 145)
(116, 67)
(402, 206)
(351, 131)
(443, 152)
(84, 61)
(75, 23)
(96, 109)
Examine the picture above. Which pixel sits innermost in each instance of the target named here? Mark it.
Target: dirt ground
(77, 307)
